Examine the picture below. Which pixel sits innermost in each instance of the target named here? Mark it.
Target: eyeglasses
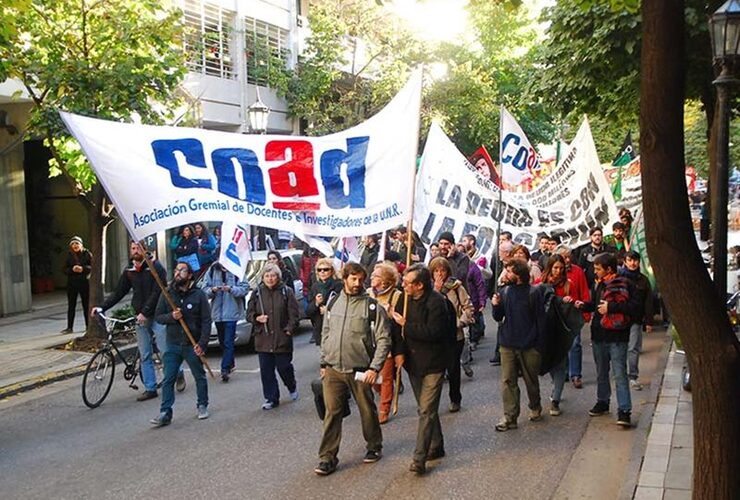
(323, 269)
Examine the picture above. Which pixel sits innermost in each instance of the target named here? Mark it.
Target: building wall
(15, 276)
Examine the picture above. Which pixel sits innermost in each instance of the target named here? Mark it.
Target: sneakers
(454, 407)
(326, 468)
(66, 331)
(577, 382)
(504, 425)
(635, 385)
(203, 412)
(555, 408)
(468, 371)
(535, 415)
(161, 420)
(495, 361)
(623, 419)
(418, 468)
(146, 395)
(294, 395)
(372, 456)
(600, 408)
(224, 377)
(180, 382)
(473, 346)
(269, 405)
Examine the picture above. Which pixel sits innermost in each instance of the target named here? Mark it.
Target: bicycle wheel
(98, 378)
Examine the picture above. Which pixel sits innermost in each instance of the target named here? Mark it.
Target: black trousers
(453, 371)
(74, 288)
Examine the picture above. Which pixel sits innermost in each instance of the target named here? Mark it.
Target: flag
(624, 157)
(235, 253)
(517, 157)
(484, 165)
(346, 251)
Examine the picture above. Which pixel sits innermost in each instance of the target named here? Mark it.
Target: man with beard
(459, 262)
(588, 253)
(355, 340)
(138, 277)
(191, 307)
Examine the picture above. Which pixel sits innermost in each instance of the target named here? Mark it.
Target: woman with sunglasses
(322, 291)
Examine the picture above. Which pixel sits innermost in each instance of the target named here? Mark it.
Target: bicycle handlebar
(112, 321)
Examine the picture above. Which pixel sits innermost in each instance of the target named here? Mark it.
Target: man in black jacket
(138, 277)
(459, 261)
(422, 337)
(643, 317)
(193, 308)
(588, 253)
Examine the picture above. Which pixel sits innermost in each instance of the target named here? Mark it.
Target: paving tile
(651, 479)
(683, 436)
(658, 450)
(655, 463)
(671, 494)
(685, 413)
(646, 493)
(660, 434)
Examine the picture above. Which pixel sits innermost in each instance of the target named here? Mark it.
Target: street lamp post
(724, 28)
(258, 114)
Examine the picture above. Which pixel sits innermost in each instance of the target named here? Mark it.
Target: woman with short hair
(326, 286)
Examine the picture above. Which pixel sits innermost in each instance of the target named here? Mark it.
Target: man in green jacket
(355, 340)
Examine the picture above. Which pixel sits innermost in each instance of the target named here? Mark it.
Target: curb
(51, 377)
(627, 491)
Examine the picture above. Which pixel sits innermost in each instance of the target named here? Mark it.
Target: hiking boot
(600, 408)
(326, 468)
(454, 407)
(504, 425)
(436, 454)
(418, 468)
(623, 419)
(635, 385)
(535, 415)
(555, 409)
(203, 412)
(372, 456)
(147, 395)
(468, 371)
(161, 420)
(180, 382)
(577, 382)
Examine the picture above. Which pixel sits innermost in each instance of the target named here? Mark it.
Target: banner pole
(496, 270)
(168, 298)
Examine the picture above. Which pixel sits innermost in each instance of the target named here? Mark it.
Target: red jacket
(579, 286)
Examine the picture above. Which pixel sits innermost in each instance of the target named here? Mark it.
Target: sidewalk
(667, 468)
(27, 359)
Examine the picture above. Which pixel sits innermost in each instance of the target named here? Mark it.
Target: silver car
(292, 260)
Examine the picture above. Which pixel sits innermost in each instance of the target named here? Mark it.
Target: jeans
(513, 360)
(226, 333)
(633, 351)
(427, 390)
(173, 358)
(283, 362)
(575, 357)
(336, 386)
(614, 354)
(453, 371)
(558, 375)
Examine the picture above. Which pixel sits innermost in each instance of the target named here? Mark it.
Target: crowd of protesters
(399, 308)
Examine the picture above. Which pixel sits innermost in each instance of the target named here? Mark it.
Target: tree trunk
(98, 221)
(698, 315)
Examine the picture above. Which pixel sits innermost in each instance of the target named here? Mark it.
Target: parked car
(292, 260)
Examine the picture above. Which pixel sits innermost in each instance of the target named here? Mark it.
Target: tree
(113, 59)
(10, 12)
(700, 318)
(356, 59)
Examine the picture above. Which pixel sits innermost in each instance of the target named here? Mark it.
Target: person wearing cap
(77, 267)
(459, 261)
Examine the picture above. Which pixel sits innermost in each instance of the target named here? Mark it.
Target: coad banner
(572, 199)
(354, 182)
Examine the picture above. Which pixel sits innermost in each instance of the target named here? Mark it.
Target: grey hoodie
(346, 334)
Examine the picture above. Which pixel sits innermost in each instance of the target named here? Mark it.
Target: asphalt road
(52, 446)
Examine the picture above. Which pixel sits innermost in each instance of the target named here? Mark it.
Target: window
(208, 39)
(267, 50)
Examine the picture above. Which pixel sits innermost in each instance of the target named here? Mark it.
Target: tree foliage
(356, 58)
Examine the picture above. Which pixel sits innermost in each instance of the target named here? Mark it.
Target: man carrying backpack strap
(614, 304)
(429, 329)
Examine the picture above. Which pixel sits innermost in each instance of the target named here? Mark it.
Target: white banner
(235, 254)
(349, 183)
(517, 157)
(571, 200)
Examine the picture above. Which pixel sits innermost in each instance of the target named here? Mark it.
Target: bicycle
(98, 378)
